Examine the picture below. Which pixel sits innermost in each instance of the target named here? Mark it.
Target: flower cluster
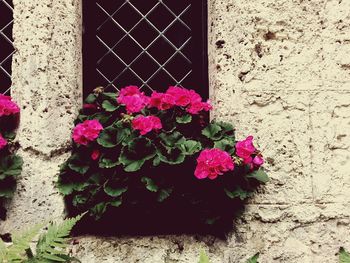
(87, 131)
(7, 106)
(133, 99)
(10, 163)
(249, 154)
(146, 124)
(213, 162)
(156, 146)
(176, 96)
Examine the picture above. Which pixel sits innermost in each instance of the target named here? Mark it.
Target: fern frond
(52, 244)
(16, 252)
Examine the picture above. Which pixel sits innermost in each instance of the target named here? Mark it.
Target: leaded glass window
(149, 43)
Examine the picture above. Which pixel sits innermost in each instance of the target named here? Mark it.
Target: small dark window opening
(152, 44)
(6, 45)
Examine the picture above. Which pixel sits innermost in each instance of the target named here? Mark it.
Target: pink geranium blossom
(176, 96)
(87, 131)
(245, 149)
(162, 101)
(133, 99)
(3, 142)
(7, 106)
(146, 124)
(213, 162)
(258, 161)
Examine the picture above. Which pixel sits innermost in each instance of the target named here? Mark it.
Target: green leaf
(91, 99)
(241, 194)
(10, 166)
(150, 185)
(107, 163)
(52, 244)
(116, 203)
(77, 165)
(190, 147)
(79, 200)
(114, 191)
(123, 135)
(259, 175)
(226, 144)
(172, 156)
(344, 256)
(203, 257)
(7, 190)
(164, 194)
(172, 139)
(98, 210)
(136, 153)
(156, 161)
(108, 106)
(213, 132)
(253, 259)
(184, 119)
(109, 96)
(108, 138)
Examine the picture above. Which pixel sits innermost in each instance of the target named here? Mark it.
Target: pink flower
(245, 148)
(3, 142)
(258, 161)
(162, 101)
(133, 99)
(213, 162)
(146, 124)
(181, 96)
(7, 106)
(95, 154)
(197, 107)
(87, 131)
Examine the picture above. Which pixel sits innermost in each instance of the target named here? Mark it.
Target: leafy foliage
(10, 163)
(50, 247)
(203, 258)
(154, 172)
(253, 259)
(344, 256)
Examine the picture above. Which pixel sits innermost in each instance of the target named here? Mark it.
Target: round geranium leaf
(184, 119)
(10, 166)
(171, 155)
(172, 139)
(108, 138)
(237, 193)
(150, 184)
(113, 190)
(190, 147)
(78, 164)
(259, 175)
(213, 132)
(109, 106)
(164, 194)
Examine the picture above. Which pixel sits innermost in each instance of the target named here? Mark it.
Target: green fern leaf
(17, 251)
(203, 258)
(52, 244)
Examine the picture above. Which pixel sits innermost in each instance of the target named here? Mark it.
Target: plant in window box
(154, 164)
(10, 163)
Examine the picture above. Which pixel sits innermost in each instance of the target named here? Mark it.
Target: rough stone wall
(280, 70)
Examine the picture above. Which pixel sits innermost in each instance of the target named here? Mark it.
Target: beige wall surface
(279, 70)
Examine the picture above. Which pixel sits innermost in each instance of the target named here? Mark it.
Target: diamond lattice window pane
(153, 44)
(6, 45)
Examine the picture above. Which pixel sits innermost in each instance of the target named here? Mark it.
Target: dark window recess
(149, 43)
(6, 45)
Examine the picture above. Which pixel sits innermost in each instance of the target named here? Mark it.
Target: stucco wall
(279, 70)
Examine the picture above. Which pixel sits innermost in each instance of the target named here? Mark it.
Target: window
(152, 44)
(6, 45)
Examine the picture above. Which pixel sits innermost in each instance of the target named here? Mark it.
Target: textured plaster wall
(279, 69)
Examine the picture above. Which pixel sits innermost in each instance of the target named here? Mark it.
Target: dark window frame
(199, 36)
(6, 43)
